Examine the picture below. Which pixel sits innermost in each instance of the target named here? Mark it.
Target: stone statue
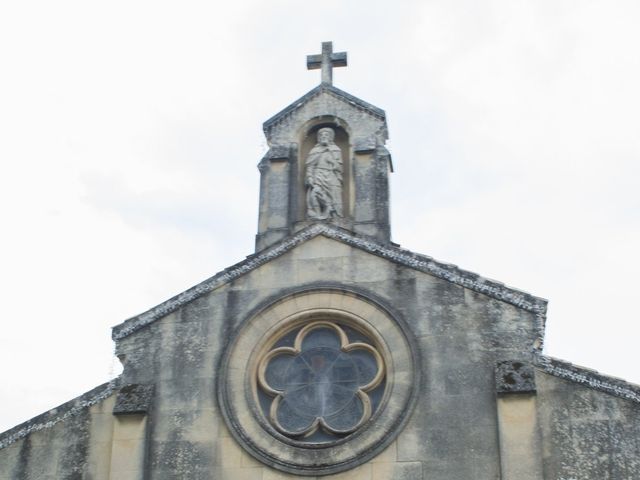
(323, 178)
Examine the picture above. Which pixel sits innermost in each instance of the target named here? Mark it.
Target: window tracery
(321, 384)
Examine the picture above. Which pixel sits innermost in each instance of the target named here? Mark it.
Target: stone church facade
(332, 352)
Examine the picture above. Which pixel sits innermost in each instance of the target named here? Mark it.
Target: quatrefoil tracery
(322, 382)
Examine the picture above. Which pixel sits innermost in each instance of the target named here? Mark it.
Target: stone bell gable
(360, 134)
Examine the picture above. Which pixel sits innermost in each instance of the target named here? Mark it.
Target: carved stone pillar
(129, 440)
(372, 165)
(274, 218)
(520, 443)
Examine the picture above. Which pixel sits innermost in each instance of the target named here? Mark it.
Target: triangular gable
(448, 272)
(331, 90)
(555, 367)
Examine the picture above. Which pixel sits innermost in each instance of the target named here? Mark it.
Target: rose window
(320, 382)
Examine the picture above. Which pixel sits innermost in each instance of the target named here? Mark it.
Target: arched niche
(308, 138)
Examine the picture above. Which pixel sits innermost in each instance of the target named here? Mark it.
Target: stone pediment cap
(331, 90)
(448, 272)
(587, 377)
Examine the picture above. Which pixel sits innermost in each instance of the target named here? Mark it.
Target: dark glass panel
(287, 340)
(321, 337)
(265, 402)
(343, 369)
(276, 371)
(366, 365)
(347, 417)
(299, 372)
(376, 395)
(321, 381)
(336, 398)
(305, 400)
(291, 419)
(355, 336)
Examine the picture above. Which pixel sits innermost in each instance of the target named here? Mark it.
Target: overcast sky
(130, 132)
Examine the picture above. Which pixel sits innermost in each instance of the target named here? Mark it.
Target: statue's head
(326, 136)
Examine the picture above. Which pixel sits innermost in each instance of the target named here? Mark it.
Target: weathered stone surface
(65, 443)
(463, 326)
(278, 152)
(185, 406)
(515, 376)
(587, 433)
(364, 144)
(134, 398)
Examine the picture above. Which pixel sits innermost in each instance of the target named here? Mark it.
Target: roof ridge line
(413, 260)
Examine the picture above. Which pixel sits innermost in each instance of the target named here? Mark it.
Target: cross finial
(326, 61)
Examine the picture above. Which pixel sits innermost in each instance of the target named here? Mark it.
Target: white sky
(130, 132)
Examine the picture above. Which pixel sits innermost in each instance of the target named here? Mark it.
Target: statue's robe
(324, 181)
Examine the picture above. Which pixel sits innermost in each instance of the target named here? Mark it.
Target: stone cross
(326, 61)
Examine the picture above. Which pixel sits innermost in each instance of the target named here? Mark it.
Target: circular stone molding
(318, 382)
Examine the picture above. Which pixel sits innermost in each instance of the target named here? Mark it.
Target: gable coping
(586, 376)
(330, 89)
(60, 413)
(448, 272)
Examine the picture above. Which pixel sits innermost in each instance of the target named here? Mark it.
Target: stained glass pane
(322, 381)
(348, 416)
(290, 418)
(275, 373)
(321, 337)
(365, 364)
